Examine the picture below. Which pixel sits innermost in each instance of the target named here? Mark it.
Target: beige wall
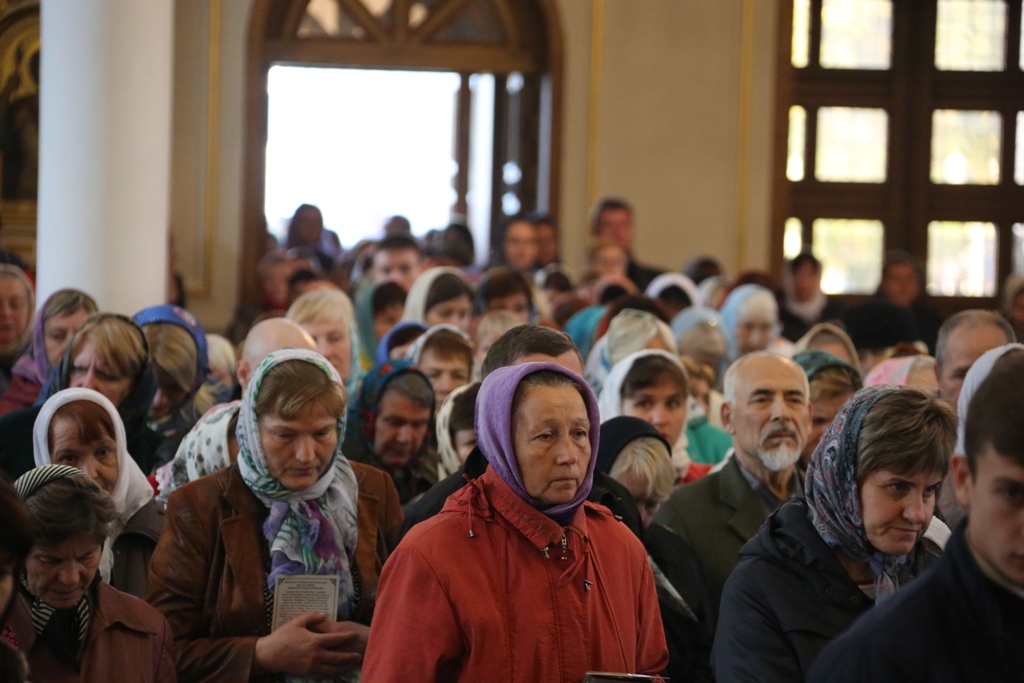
(682, 129)
(670, 133)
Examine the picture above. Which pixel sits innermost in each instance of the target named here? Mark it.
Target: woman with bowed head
(634, 453)
(108, 354)
(291, 505)
(864, 530)
(327, 315)
(69, 624)
(180, 360)
(58, 319)
(518, 578)
(81, 428)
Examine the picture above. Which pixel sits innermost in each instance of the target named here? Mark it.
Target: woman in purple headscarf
(56, 323)
(518, 578)
(864, 530)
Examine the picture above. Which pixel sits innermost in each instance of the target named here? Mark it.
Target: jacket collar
(540, 530)
(734, 491)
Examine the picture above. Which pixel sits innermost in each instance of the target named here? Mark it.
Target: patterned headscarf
(313, 531)
(66, 634)
(131, 490)
(362, 413)
(832, 492)
(894, 371)
(494, 425)
(204, 450)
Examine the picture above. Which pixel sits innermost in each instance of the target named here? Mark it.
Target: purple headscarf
(494, 424)
(832, 492)
(34, 365)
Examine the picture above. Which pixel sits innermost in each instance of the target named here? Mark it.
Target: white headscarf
(666, 280)
(412, 354)
(975, 376)
(131, 490)
(448, 456)
(416, 302)
(610, 401)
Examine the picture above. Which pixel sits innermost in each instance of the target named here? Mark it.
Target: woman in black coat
(632, 452)
(818, 563)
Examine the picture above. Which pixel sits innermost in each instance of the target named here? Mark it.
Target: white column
(104, 159)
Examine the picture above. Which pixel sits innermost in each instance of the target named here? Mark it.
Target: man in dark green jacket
(768, 414)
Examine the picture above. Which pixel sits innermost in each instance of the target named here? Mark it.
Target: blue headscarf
(382, 347)
(730, 313)
(176, 315)
(833, 496)
(582, 327)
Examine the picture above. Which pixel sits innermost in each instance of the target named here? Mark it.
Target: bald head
(266, 337)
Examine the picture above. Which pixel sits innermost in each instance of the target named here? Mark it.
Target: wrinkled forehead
(770, 374)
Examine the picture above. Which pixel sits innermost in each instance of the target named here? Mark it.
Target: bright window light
(362, 145)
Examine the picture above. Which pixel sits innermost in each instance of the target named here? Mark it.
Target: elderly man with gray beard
(768, 413)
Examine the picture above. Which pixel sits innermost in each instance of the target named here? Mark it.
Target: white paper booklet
(298, 594)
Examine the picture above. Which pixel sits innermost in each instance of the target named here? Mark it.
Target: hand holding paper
(300, 648)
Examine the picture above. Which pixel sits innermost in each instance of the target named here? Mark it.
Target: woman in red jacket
(519, 579)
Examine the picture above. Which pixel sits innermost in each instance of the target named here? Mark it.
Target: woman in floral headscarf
(518, 578)
(864, 530)
(292, 504)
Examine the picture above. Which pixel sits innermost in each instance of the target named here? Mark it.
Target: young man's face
(396, 265)
(994, 496)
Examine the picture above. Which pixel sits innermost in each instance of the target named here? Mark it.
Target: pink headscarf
(892, 371)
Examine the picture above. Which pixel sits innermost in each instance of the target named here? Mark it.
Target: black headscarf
(617, 433)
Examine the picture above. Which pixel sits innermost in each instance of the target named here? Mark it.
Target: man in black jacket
(525, 344)
(963, 620)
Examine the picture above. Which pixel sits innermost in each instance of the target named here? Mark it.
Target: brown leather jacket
(127, 641)
(206, 574)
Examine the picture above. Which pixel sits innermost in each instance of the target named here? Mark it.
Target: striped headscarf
(832, 492)
(313, 531)
(66, 634)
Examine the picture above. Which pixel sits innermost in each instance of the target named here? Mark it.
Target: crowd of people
(400, 467)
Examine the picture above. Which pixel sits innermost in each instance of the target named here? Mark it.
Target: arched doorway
(517, 41)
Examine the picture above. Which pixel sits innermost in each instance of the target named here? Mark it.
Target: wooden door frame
(264, 51)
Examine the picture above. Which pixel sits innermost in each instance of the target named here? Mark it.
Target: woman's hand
(309, 645)
(358, 644)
